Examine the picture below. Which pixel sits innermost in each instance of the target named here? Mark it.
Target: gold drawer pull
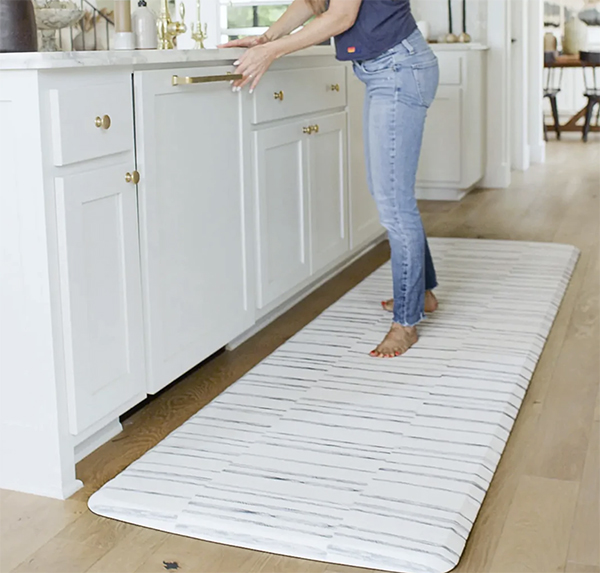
(315, 128)
(133, 177)
(186, 81)
(278, 95)
(103, 122)
(335, 87)
(310, 129)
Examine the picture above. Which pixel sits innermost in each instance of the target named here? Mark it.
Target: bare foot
(397, 341)
(431, 303)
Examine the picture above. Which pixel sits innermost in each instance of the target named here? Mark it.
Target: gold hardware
(132, 177)
(315, 128)
(335, 87)
(103, 122)
(186, 81)
(168, 30)
(310, 129)
(198, 34)
(278, 95)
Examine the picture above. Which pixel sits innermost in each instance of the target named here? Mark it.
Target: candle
(122, 16)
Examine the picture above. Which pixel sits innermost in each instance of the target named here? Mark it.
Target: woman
(401, 73)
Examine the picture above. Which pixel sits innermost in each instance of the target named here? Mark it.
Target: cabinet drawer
(91, 121)
(297, 92)
(450, 68)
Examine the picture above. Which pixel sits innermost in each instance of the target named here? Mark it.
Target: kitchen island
(149, 217)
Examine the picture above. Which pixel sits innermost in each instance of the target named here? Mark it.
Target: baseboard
(302, 294)
(537, 152)
(497, 178)
(440, 194)
(87, 446)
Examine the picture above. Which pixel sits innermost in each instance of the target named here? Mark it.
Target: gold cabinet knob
(133, 177)
(103, 122)
(278, 95)
(335, 87)
(307, 130)
(315, 128)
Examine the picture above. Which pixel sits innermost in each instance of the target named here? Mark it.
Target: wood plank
(29, 522)
(536, 533)
(585, 535)
(560, 449)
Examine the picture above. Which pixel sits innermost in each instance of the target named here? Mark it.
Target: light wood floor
(542, 511)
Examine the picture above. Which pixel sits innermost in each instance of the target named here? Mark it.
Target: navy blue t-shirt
(380, 25)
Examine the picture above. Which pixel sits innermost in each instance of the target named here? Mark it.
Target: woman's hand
(253, 64)
(248, 42)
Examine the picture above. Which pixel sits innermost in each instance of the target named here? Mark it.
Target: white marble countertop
(144, 58)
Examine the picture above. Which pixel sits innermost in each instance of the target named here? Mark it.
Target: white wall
(435, 13)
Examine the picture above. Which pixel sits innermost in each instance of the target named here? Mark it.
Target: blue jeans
(401, 84)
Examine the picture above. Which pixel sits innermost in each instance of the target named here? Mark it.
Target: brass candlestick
(197, 33)
(168, 30)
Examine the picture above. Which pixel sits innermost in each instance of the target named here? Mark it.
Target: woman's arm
(340, 16)
(298, 13)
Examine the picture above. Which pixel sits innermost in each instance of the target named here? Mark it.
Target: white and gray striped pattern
(325, 453)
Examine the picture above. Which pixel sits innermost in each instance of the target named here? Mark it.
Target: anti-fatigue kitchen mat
(325, 453)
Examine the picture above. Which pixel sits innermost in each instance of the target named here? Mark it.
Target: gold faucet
(167, 29)
(198, 34)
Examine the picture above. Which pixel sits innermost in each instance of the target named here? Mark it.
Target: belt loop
(408, 47)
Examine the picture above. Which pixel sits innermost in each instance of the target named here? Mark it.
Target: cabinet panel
(101, 293)
(299, 92)
(194, 242)
(282, 211)
(364, 218)
(328, 190)
(441, 153)
(75, 135)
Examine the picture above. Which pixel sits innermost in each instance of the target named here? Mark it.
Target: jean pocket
(427, 76)
(377, 65)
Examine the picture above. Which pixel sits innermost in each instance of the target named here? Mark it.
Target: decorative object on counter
(550, 42)
(96, 31)
(424, 29)
(576, 37)
(144, 27)
(199, 34)
(168, 30)
(124, 37)
(54, 16)
(464, 38)
(591, 13)
(18, 30)
(451, 37)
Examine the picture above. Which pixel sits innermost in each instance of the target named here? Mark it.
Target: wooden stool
(592, 93)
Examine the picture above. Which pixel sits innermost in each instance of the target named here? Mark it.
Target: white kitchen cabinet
(194, 232)
(282, 210)
(100, 292)
(440, 160)
(328, 192)
(364, 218)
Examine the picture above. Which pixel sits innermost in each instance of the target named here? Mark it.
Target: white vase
(576, 37)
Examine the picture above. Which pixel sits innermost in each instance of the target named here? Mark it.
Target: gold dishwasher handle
(187, 81)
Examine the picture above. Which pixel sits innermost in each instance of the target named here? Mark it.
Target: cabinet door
(101, 293)
(193, 219)
(440, 160)
(327, 190)
(364, 218)
(282, 211)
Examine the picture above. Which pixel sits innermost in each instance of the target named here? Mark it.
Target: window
(241, 18)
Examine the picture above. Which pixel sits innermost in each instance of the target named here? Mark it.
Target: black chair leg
(555, 116)
(588, 118)
(545, 128)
